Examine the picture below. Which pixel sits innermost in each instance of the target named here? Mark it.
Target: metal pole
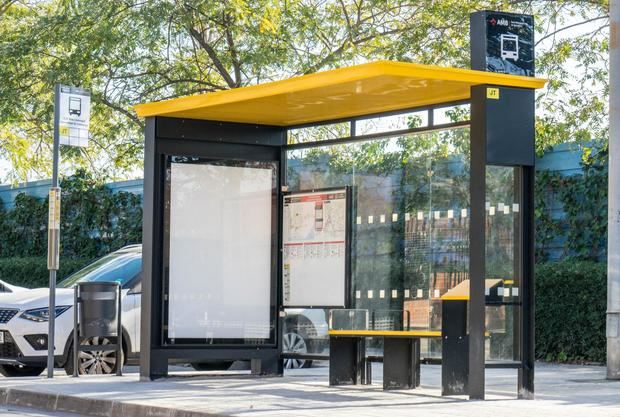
(76, 338)
(119, 332)
(613, 244)
(55, 238)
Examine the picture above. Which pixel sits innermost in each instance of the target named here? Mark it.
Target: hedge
(94, 221)
(571, 301)
(31, 272)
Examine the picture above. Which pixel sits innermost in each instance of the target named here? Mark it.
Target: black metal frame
(166, 136)
(216, 141)
(492, 123)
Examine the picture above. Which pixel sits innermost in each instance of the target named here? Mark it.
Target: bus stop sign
(74, 116)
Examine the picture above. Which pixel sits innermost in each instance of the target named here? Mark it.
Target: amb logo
(499, 22)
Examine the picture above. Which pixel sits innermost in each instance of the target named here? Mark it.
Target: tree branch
(233, 51)
(4, 6)
(121, 110)
(198, 36)
(583, 22)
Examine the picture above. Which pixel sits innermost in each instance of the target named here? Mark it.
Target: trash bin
(97, 313)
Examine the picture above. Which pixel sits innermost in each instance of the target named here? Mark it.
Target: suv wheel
(95, 361)
(293, 342)
(19, 370)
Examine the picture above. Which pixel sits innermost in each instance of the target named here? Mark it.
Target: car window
(121, 267)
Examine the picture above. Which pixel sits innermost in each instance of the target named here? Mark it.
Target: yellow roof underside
(341, 93)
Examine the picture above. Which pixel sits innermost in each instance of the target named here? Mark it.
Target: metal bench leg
(368, 372)
(399, 363)
(346, 360)
(416, 361)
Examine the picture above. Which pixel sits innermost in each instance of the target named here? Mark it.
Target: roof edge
(333, 77)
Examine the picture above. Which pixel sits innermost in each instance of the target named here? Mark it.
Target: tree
(133, 51)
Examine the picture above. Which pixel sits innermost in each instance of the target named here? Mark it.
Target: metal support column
(477, 239)
(526, 373)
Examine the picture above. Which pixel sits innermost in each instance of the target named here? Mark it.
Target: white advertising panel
(314, 248)
(220, 251)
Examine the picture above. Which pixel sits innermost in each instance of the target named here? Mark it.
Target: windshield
(118, 266)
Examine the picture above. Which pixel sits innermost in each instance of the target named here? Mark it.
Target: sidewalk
(564, 391)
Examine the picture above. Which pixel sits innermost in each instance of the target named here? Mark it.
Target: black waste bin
(97, 313)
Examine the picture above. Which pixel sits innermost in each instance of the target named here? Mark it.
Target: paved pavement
(564, 391)
(23, 412)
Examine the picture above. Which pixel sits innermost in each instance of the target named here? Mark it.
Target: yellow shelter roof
(358, 90)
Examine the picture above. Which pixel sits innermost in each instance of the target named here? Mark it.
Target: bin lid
(359, 90)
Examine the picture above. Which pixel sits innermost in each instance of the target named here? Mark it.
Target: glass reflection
(411, 206)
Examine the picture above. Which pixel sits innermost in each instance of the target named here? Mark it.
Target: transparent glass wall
(502, 263)
(410, 224)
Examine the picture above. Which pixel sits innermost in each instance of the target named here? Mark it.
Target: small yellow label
(493, 93)
(63, 130)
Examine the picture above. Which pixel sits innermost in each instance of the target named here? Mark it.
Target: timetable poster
(314, 248)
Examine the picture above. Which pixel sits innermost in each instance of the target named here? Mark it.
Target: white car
(5, 287)
(24, 319)
(24, 323)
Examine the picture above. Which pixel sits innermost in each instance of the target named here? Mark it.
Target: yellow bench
(349, 365)
(385, 333)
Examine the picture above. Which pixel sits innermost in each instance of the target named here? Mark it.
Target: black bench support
(401, 363)
(346, 360)
(454, 348)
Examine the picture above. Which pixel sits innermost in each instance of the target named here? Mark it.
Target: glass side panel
(391, 123)
(410, 220)
(390, 320)
(502, 263)
(349, 319)
(451, 114)
(318, 133)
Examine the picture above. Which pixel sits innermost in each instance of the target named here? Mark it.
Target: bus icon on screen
(75, 106)
(509, 46)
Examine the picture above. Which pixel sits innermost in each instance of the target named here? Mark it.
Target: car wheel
(93, 362)
(212, 366)
(19, 370)
(293, 342)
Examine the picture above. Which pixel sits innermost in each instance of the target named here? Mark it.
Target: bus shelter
(418, 181)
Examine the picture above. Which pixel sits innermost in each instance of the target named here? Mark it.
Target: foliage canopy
(134, 51)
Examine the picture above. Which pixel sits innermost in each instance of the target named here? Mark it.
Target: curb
(89, 406)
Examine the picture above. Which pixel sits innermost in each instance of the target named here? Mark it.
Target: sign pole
(53, 236)
(613, 237)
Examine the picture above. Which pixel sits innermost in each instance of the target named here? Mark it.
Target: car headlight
(42, 314)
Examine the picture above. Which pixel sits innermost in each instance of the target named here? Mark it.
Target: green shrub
(571, 300)
(32, 272)
(94, 221)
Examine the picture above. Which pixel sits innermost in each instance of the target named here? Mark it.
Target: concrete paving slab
(564, 391)
(25, 412)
